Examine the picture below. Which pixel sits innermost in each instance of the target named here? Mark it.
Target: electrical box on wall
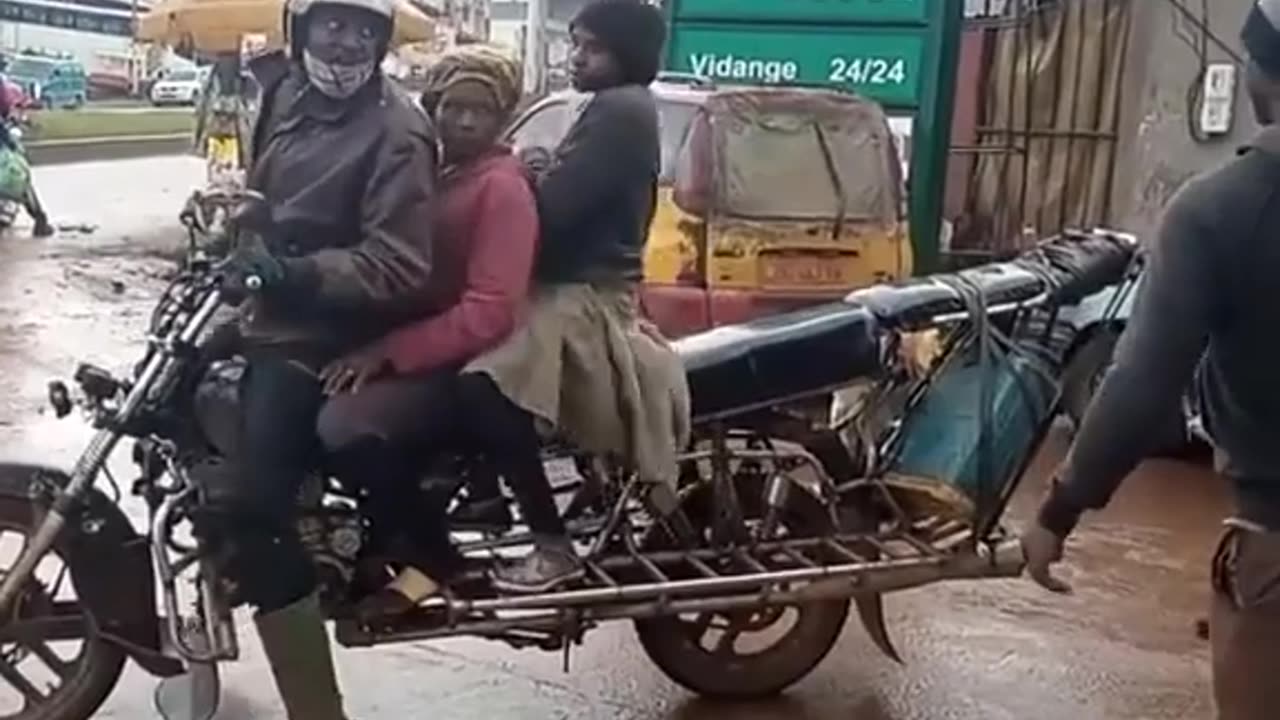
(1219, 95)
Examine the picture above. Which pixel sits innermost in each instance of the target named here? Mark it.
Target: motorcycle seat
(808, 351)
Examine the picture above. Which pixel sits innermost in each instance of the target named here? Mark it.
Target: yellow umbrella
(214, 26)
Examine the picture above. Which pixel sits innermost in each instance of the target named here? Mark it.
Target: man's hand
(1042, 549)
(353, 371)
(537, 160)
(251, 258)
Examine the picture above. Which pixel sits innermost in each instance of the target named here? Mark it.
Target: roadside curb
(72, 150)
(105, 140)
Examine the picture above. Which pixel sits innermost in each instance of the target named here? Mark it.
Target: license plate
(803, 271)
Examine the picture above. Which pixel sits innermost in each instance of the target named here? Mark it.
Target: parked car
(179, 87)
(1093, 357)
(51, 82)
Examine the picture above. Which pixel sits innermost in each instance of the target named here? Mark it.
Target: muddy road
(1122, 646)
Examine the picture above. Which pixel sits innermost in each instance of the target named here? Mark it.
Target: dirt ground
(1123, 646)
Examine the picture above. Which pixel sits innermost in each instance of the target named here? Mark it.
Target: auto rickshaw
(780, 198)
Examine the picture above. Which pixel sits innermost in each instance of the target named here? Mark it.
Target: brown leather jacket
(352, 188)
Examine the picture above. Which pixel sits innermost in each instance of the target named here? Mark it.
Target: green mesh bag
(15, 174)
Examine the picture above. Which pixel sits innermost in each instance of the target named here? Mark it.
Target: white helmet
(294, 10)
(385, 8)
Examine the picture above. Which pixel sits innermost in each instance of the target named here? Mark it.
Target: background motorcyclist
(8, 120)
(346, 163)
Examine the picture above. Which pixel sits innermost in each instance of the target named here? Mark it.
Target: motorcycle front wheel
(54, 664)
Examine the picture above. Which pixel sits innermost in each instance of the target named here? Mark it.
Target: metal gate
(1038, 152)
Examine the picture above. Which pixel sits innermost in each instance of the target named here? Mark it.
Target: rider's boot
(402, 595)
(553, 562)
(297, 646)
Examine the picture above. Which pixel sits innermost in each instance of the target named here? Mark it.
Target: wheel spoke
(728, 640)
(698, 628)
(50, 658)
(14, 677)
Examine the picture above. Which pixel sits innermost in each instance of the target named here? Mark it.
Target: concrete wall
(1158, 153)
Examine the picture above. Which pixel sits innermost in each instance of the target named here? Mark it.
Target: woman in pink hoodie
(389, 406)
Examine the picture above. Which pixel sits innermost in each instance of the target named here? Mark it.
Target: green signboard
(842, 11)
(900, 53)
(884, 65)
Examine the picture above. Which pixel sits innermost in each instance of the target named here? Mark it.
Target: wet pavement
(1122, 646)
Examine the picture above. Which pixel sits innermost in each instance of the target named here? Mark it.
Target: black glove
(252, 259)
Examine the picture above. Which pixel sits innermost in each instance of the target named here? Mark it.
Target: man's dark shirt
(596, 201)
(1211, 289)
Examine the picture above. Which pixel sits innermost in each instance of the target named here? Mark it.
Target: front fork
(210, 635)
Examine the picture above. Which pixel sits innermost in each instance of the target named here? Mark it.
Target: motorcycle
(784, 515)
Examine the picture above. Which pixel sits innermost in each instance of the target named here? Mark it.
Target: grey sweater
(1212, 292)
(596, 201)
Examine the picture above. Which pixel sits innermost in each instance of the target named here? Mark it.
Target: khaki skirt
(582, 364)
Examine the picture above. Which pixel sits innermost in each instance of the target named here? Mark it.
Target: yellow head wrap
(484, 64)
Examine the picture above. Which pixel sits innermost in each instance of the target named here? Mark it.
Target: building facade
(1188, 111)
(83, 29)
(509, 26)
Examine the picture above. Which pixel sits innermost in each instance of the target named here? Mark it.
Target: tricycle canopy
(793, 153)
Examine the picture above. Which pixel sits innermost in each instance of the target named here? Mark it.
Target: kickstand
(569, 630)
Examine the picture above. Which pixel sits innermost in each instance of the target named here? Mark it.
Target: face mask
(336, 81)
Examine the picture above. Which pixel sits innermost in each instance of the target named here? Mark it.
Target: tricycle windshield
(674, 119)
(30, 68)
(800, 160)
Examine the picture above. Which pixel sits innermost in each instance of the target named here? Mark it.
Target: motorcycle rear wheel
(84, 680)
(725, 671)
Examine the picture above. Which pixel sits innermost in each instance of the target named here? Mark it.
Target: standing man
(1210, 292)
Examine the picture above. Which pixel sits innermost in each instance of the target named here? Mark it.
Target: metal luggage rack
(635, 584)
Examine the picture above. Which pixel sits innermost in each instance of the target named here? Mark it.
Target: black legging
(279, 402)
(506, 434)
(380, 439)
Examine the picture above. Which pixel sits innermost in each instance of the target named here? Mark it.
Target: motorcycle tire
(817, 626)
(90, 678)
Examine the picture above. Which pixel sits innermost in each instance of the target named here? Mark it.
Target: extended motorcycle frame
(865, 564)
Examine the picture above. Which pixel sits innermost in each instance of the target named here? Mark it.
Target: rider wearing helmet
(1208, 300)
(346, 163)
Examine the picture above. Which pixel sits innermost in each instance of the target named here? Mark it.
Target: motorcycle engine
(333, 537)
